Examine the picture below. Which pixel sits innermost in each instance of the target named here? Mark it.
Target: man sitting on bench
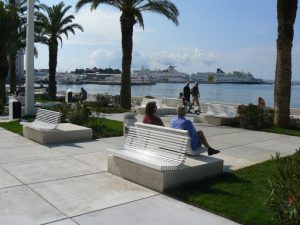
(197, 137)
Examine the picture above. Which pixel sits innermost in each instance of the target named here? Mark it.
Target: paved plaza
(68, 184)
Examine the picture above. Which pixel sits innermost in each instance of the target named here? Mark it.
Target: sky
(234, 35)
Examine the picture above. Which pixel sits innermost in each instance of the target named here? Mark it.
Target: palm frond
(163, 7)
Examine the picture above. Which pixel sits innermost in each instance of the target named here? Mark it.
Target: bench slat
(45, 120)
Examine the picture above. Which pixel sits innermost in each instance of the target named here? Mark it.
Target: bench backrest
(165, 144)
(146, 100)
(220, 110)
(172, 102)
(47, 118)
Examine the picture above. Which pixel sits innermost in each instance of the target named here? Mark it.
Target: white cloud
(183, 59)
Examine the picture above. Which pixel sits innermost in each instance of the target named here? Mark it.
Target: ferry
(220, 77)
(169, 75)
(115, 79)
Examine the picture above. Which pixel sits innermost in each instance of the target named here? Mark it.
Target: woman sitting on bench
(197, 137)
(149, 117)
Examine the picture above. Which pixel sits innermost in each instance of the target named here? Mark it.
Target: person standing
(187, 92)
(196, 95)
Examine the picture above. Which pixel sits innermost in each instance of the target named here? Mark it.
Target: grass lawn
(239, 196)
(15, 126)
(101, 127)
(283, 131)
(105, 127)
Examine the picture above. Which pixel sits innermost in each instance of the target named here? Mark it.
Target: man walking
(196, 95)
(187, 92)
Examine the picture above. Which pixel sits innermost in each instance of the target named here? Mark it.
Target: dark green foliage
(79, 113)
(284, 199)
(105, 100)
(294, 124)
(253, 117)
(102, 100)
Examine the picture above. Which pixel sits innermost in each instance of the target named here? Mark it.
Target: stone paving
(68, 184)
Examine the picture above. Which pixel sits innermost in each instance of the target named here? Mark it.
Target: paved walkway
(68, 184)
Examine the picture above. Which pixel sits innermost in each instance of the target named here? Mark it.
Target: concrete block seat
(46, 129)
(221, 115)
(154, 157)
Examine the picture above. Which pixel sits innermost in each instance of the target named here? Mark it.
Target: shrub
(253, 117)
(79, 113)
(284, 199)
(294, 124)
(103, 100)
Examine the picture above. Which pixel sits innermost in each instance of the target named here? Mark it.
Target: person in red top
(149, 117)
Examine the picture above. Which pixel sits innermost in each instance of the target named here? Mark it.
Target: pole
(29, 86)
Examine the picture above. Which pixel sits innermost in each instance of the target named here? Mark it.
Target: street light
(29, 86)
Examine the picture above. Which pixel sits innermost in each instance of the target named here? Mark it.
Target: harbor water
(222, 93)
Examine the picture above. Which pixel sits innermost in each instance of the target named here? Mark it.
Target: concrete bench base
(221, 121)
(195, 168)
(65, 132)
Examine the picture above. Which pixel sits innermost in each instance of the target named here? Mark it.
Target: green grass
(105, 127)
(278, 130)
(13, 126)
(239, 196)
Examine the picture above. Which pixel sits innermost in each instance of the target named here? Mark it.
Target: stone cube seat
(65, 132)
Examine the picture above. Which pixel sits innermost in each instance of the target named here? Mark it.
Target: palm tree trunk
(12, 73)
(52, 69)
(4, 68)
(127, 23)
(286, 14)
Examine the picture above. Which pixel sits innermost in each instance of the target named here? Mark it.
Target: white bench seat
(154, 156)
(159, 150)
(219, 114)
(46, 120)
(47, 129)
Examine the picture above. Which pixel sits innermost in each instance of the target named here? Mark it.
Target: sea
(221, 93)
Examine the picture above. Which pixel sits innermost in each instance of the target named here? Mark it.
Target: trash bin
(129, 120)
(68, 96)
(15, 109)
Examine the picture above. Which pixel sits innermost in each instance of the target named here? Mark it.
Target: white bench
(219, 114)
(47, 129)
(154, 156)
(45, 120)
(165, 106)
(172, 102)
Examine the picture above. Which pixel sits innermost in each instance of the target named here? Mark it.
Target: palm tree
(52, 25)
(286, 15)
(19, 7)
(131, 13)
(7, 38)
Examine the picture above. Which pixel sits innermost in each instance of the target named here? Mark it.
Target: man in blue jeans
(197, 137)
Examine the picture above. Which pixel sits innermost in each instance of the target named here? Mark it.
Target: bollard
(129, 120)
(15, 109)
(68, 96)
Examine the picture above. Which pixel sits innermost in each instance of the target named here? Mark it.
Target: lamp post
(29, 86)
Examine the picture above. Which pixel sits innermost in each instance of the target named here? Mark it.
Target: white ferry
(222, 77)
(169, 75)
